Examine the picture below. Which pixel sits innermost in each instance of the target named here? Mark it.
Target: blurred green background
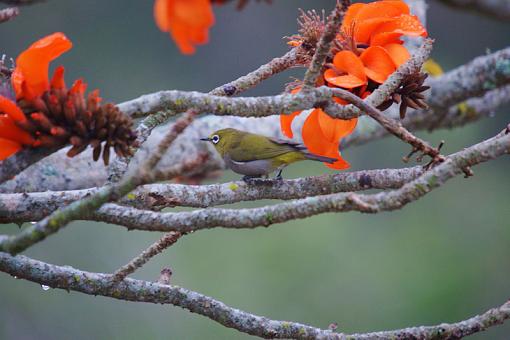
(441, 259)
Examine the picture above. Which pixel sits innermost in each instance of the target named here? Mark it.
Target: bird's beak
(205, 139)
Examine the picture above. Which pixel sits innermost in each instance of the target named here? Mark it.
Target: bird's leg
(278, 176)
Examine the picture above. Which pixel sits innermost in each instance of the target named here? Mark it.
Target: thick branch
(35, 206)
(15, 164)
(179, 101)
(474, 79)
(498, 9)
(458, 115)
(7, 14)
(455, 164)
(144, 105)
(21, 2)
(89, 283)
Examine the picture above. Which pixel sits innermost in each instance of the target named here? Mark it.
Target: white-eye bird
(255, 156)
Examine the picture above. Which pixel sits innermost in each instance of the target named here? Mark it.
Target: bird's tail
(318, 158)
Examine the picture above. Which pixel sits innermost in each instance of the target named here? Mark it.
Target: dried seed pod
(61, 116)
(409, 94)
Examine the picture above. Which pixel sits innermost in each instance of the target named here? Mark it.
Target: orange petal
(346, 81)
(364, 29)
(30, 77)
(398, 53)
(8, 148)
(382, 9)
(58, 81)
(350, 15)
(350, 63)
(316, 143)
(10, 108)
(340, 164)
(286, 120)
(312, 134)
(374, 14)
(334, 129)
(332, 151)
(161, 15)
(286, 123)
(79, 87)
(187, 21)
(385, 38)
(9, 130)
(404, 24)
(378, 63)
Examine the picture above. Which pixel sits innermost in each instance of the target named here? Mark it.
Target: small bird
(255, 156)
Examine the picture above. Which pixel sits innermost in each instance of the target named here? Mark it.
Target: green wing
(251, 147)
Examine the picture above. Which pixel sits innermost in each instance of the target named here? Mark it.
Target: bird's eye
(215, 139)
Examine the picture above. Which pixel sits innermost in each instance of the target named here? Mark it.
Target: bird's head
(224, 139)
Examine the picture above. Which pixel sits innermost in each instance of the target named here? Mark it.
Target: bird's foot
(259, 180)
(253, 180)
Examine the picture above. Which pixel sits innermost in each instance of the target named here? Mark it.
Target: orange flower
(376, 62)
(29, 81)
(381, 22)
(30, 78)
(321, 133)
(187, 21)
(371, 50)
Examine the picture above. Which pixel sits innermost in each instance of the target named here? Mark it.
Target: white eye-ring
(215, 139)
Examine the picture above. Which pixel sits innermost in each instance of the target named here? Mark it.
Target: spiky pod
(408, 94)
(67, 116)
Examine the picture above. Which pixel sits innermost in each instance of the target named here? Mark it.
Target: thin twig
(163, 243)
(391, 125)
(323, 47)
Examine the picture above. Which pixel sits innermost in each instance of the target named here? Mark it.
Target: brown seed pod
(67, 116)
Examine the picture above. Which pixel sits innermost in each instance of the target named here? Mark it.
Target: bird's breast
(258, 167)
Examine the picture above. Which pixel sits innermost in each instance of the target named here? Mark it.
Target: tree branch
(391, 125)
(474, 79)
(496, 9)
(60, 218)
(145, 105)
(19, 208)
(89, 283)
(163, 243)
(324, 44)
(455, 164)
(9, 13)
(456, 116)
(15, 164)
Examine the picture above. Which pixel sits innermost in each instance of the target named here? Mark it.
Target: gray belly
(252, 168)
